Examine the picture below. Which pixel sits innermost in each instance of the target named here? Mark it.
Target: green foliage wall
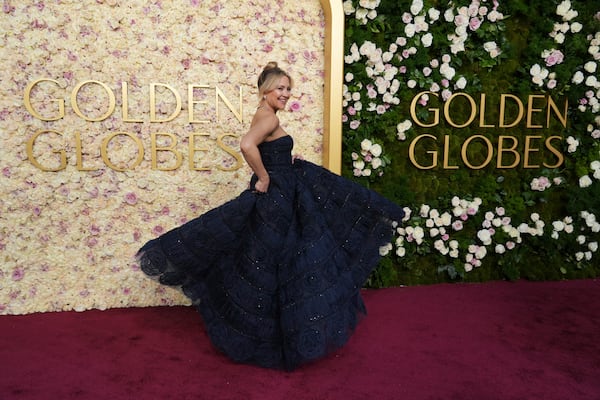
(530, 214)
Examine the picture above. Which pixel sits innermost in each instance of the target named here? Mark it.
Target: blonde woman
(276, 272)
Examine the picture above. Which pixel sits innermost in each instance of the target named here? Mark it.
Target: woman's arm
(262, 126)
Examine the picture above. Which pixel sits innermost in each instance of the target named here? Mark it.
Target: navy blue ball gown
(277, 276)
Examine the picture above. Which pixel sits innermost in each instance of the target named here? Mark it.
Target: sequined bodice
(277, 153)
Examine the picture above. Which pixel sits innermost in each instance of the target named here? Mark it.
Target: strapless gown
(277, 276)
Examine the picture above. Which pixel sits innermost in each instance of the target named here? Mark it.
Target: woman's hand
(262, 185)
(297, 157)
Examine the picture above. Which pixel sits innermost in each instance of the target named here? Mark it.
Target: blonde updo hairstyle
(269, 78)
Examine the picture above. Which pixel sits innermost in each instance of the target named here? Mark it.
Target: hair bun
(270, 65)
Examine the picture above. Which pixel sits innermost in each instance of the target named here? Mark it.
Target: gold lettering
(34, 113)
(562, 118)
(528, 149)
(413, 113)
(411, 152)
(111, 101)
(223, 146)
(125, 103)
(465, 146)
(219, 95)
(191, 102)
(175, 112)
(79, 150)
(171, 148)
(104, 150)
(501, 118)
(31, 142)
(482, 123)
(502, 149)
(446, 152)
(193, 149)
(559, 156)
(447, 110)
(531, 110)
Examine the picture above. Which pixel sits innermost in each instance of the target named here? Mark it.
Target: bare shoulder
(264, 123)
(266, 119)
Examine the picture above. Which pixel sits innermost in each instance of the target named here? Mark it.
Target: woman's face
(278, 97)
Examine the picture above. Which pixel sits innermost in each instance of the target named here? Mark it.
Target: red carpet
(499, 340)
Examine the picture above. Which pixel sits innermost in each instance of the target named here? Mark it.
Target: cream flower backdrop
(68, 238)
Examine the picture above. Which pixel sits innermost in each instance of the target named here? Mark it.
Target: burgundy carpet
(499, 340)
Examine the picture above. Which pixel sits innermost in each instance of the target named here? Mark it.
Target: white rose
(591, 81)
(366, 144)
(559, 38)
(578, 77)
(348, 7)
(418, 234)
(416, 7)
(359, 164)
(585, 181)
(576, 27)
(427, 39)
(449, 15)
(376, 162)
(558, 226)
(376, 150)
(485, 236)
(563, 8)
(570, 15)
(481, 253)
(361, 15)
(434, 14)
(384, 250)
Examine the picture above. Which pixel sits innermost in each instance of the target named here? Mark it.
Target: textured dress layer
(277, 276)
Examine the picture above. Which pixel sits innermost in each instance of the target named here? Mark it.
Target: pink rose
(295, 106)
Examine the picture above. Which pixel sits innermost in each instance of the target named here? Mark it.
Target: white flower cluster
(368, 160)
(585, 180)
(439, 225)
(439, 75)
(497, 232)
(542, 76)
(402, 128)
(589, 77)
(365, 11)
(566, 226)
(470, 18)
(540, 183)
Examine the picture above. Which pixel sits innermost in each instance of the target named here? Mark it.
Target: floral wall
(482, 118)
(120, 120)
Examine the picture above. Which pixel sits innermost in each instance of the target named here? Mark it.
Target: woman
(276, 272)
